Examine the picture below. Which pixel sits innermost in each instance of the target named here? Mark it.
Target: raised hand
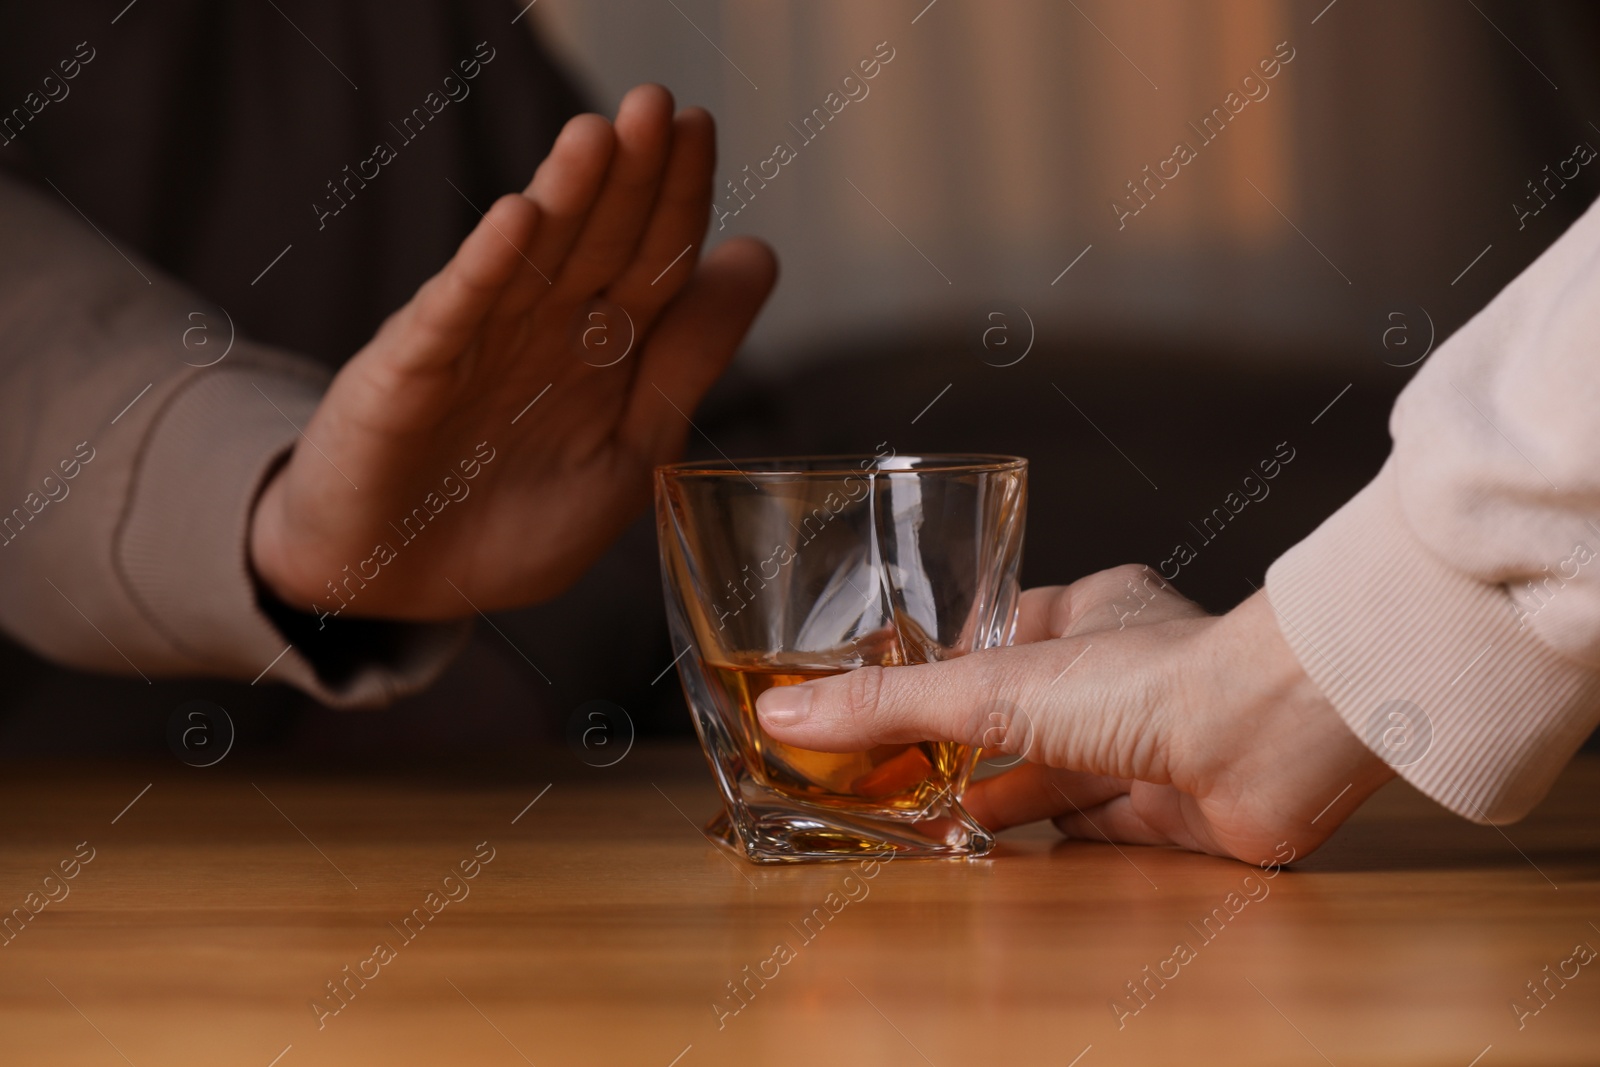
(1169, 727)
(616, 213)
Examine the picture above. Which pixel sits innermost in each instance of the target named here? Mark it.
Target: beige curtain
(993, 145)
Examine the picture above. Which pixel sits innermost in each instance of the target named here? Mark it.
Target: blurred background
(996, 140)
(963, 270)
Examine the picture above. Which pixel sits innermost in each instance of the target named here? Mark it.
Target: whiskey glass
(780, 571)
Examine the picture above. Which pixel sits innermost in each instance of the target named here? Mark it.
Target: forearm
(129, 474)
(1451, 610)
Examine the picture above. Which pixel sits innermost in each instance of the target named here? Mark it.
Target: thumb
(1085, 704)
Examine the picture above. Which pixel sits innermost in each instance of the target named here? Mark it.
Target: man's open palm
(615, 214)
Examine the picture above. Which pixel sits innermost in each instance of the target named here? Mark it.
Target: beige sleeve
(1451, 610)
(128, 476)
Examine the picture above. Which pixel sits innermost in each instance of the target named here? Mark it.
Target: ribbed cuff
(1429, 666)
(182, 547)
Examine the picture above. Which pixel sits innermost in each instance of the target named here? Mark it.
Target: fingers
(1116, 820)
(1033, 791)
(450, 307)
(616, 218)
(1112, 716)
(669, 250)
(564, 187)
(1102, 704)
(1036, 611)
(1111, 599)
(694, 341)
(949, 701)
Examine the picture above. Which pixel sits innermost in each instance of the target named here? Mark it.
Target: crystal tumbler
(779, 571)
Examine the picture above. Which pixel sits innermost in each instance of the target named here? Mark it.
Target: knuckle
(508, 205)
(997, 683)
(1007, 728)
(1139, 736)
(1112, 597)
(1040, 611)
(862, 691)
(1098, 591)
(1125, 572)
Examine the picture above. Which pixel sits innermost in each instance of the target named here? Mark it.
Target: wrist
(1276, 736)
(1301, 705)
(268, 561)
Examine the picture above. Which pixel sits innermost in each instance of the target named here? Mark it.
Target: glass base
(766, 834)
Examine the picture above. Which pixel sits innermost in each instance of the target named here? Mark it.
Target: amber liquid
(907, 778)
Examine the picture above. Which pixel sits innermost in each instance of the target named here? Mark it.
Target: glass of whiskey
(780, 571)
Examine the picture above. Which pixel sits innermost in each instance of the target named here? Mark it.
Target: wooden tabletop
(563, 914)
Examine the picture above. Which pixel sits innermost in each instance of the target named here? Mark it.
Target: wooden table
(218, 907)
